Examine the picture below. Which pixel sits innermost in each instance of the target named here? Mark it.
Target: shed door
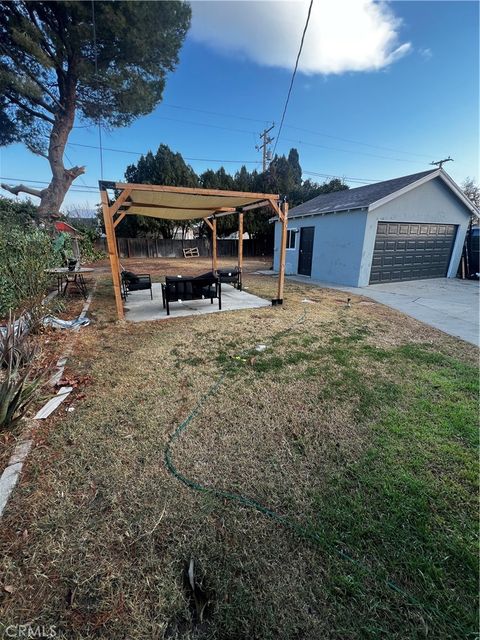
(411, 251)
(306, 251)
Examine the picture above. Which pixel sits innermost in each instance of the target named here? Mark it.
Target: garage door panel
(411, 251)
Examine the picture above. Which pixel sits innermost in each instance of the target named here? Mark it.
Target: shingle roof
(357, 198)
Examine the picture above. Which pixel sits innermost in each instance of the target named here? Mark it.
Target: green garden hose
(245, 501)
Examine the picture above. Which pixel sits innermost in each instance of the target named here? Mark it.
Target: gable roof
(374, 195)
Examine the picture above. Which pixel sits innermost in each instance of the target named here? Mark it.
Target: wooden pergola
(184, 203)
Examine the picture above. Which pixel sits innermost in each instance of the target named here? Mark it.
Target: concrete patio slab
(448, 304)
(140, 308)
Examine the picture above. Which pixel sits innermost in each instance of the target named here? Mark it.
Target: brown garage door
(411, 251)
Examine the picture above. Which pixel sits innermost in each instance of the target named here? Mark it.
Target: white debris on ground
(57, 323)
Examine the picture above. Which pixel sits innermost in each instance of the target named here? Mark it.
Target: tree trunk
(51, 198)
(62, 178)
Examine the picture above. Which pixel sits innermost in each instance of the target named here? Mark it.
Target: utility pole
(439, 163)
(266, 141)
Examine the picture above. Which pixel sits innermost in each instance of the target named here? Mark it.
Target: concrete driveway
(448, 304)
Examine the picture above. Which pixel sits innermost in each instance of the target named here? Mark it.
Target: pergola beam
(119, 219)
(256, 205)
(189, 190)
(120, 201)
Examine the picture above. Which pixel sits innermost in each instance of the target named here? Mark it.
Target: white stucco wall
(337, 246)
(431, 202)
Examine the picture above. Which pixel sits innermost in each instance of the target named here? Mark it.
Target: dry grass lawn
(357, 425)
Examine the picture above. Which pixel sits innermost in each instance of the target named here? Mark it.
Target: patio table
(65, 277)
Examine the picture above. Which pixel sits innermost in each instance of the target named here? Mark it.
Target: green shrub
(87, 245)
(25, 253)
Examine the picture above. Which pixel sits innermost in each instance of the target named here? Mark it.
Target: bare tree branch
(21, 188)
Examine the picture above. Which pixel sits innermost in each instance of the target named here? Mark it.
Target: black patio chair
(180, 288)
(231, 276)
(135, 282)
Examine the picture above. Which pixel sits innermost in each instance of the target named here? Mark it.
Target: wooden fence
(151, 248)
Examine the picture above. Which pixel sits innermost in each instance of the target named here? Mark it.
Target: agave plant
(15, 342)
(17, 391)
(17, 384)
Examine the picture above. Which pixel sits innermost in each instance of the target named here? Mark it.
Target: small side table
(66, 279)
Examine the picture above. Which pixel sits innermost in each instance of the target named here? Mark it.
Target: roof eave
(439, 173)
(321, 213)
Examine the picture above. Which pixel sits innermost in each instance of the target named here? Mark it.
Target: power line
(28, 181)
(96, 78)
(213, 126)
(95, 188)
(333, 176)
(264, 120)
(301, 142)
(362, 153)
(214, 113)
(203, 124)
(293, 76)
(364, 144)
(142, 153)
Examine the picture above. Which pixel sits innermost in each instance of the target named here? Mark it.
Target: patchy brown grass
(160, 267)
(98, 534)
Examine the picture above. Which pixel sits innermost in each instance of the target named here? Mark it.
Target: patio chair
(231, 276)
(226, 276)
(135, 282)
(180, 288)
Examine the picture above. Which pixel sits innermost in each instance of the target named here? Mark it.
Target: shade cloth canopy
(182, 203)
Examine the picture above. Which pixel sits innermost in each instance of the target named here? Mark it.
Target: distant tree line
(283, 176)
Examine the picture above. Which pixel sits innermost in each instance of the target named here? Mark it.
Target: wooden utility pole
(266, 141)
(440, 163)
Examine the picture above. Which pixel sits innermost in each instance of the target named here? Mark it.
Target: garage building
(409, 228)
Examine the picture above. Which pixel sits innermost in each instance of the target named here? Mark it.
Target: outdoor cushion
(130, 276)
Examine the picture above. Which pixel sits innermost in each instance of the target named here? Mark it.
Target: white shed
(408, 228)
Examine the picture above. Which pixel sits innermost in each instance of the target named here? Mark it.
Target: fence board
(163, 248)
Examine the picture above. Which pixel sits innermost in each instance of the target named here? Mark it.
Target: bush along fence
(151, 248)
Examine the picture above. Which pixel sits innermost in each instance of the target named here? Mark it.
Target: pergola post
(214, 244)
(112, 253)
(283, 249)
(240, 242)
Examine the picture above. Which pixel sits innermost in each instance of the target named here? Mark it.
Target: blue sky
(415, 99)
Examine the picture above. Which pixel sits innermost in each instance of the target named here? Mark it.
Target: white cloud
(426, 53)
(343, 35)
